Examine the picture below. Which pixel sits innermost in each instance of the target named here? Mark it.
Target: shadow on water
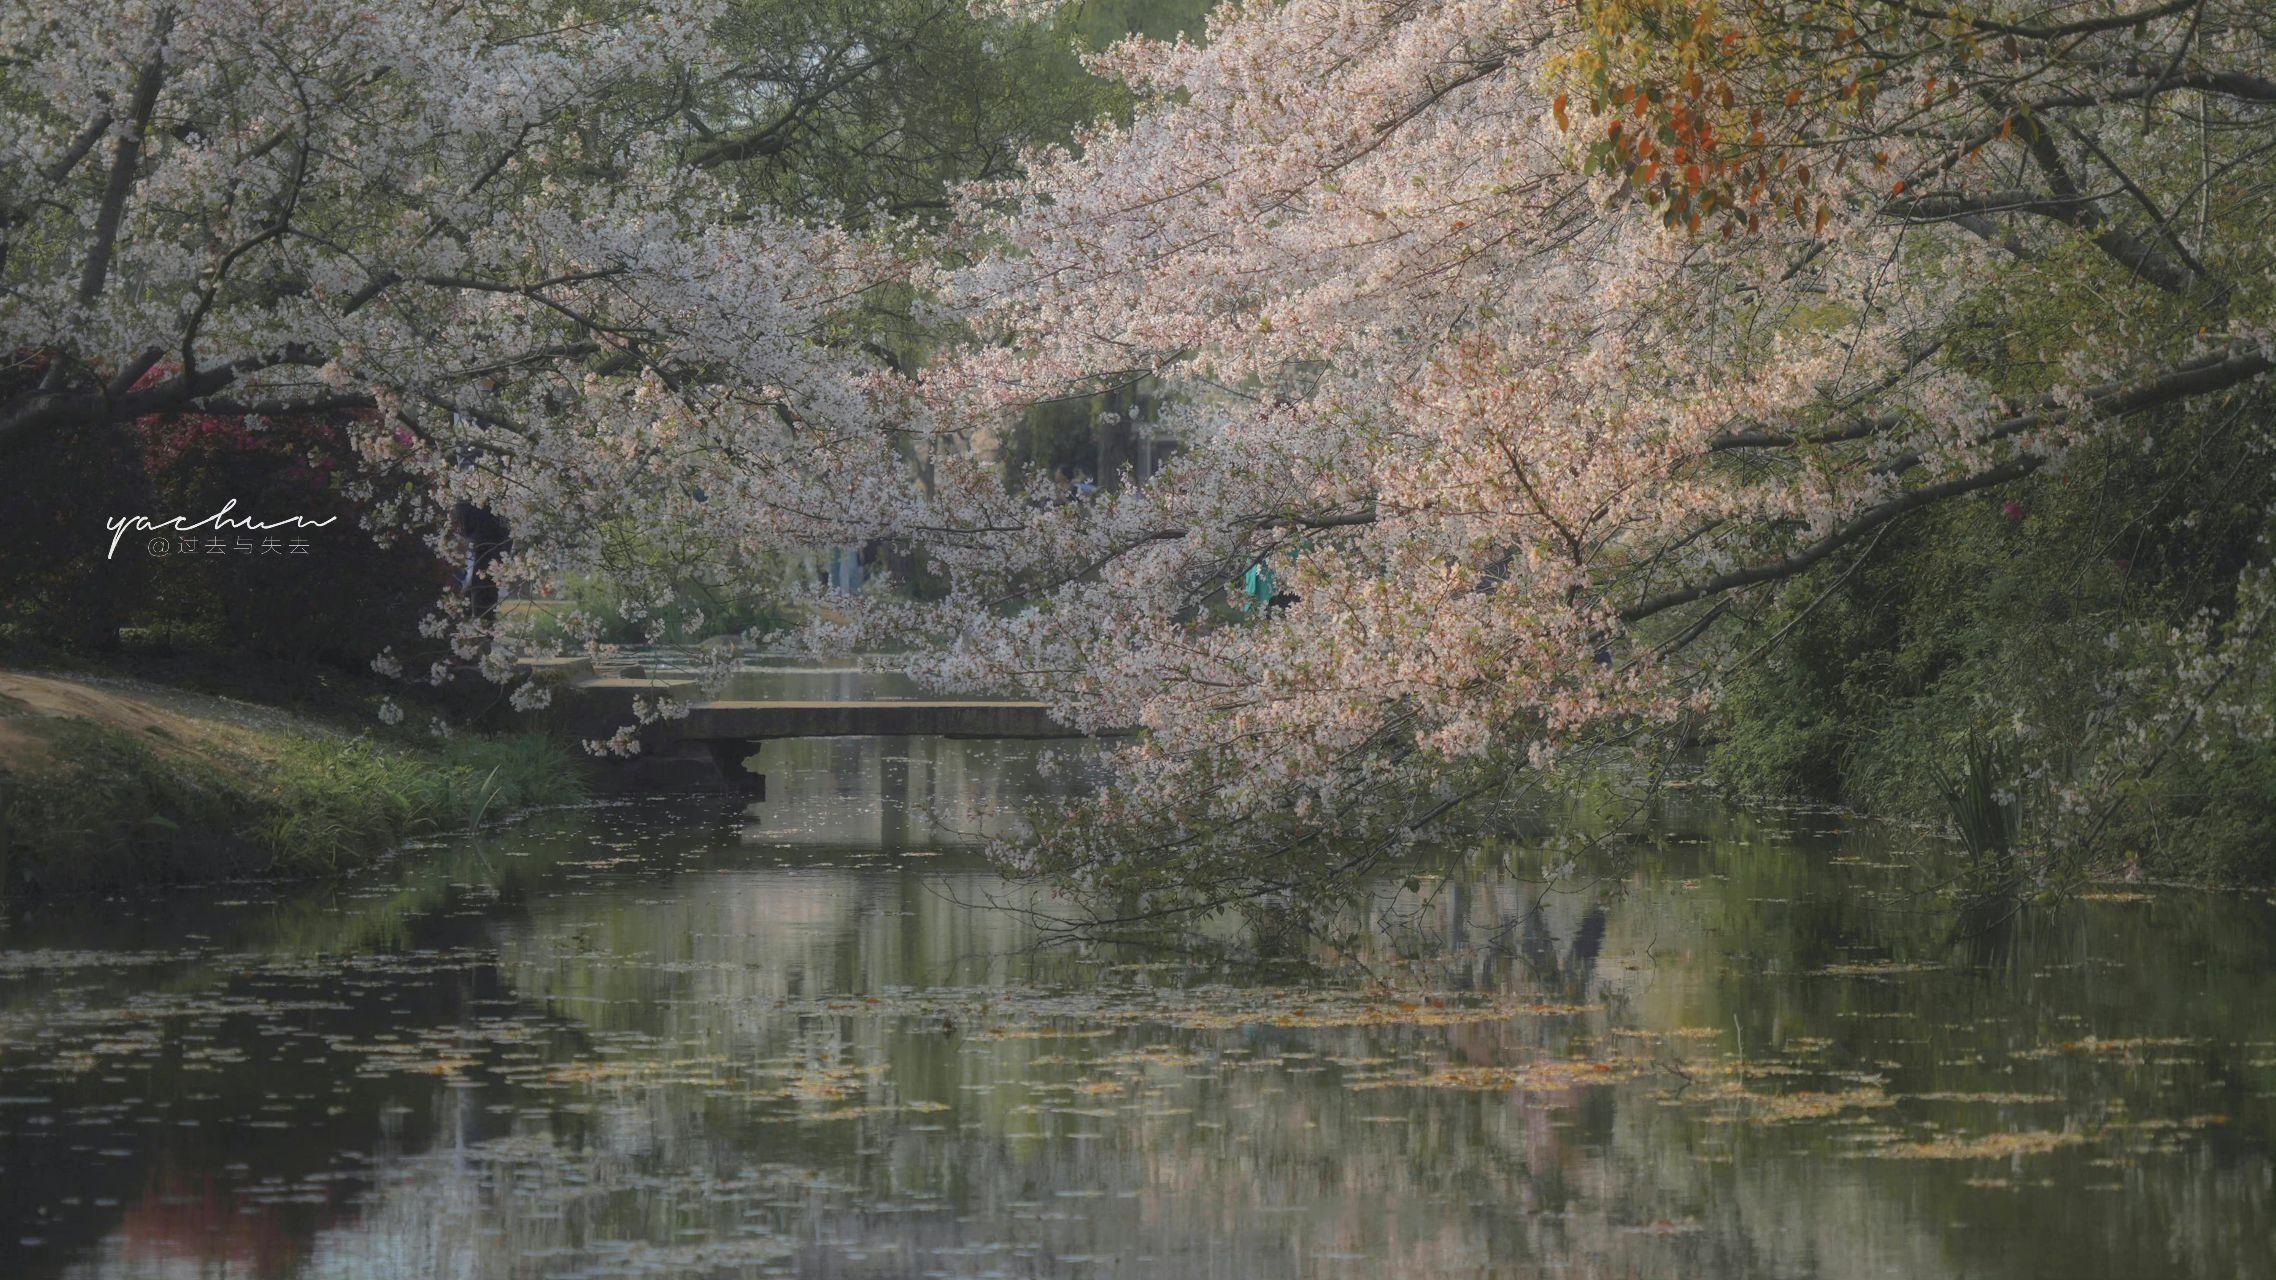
(816, 1038)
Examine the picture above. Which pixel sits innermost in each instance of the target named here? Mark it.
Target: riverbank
(109, 783)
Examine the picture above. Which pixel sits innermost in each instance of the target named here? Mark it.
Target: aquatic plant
(1980, 800)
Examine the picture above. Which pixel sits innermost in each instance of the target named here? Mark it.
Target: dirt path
(170, 720)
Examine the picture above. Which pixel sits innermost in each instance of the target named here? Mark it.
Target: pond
(675, 1037)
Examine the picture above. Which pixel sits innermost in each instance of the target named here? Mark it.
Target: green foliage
(1984, 811)
(878, 106)
(2204, 812)
(2028, 613)
(866, 112)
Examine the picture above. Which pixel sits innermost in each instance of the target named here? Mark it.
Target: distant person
(845, 569)
(1261, 587)
(1084, 486)
(1257, 585)
(482, 538)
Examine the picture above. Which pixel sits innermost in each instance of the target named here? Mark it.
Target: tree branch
(124, 162)
(2053, 31)
(2194, 379)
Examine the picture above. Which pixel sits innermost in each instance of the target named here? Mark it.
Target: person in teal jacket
(1260, 585)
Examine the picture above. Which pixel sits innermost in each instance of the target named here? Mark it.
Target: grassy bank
(108, 784)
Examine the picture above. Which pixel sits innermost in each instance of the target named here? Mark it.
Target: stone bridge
(588, 704)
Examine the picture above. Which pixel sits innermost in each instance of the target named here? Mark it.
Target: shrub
(2030, 615)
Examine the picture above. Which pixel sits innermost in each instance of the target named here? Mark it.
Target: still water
(817, 1038)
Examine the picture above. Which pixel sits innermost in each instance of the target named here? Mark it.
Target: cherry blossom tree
(532, 252)
(1528, 344)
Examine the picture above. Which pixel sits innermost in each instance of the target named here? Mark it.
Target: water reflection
(901, 795)
(679, 1039)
